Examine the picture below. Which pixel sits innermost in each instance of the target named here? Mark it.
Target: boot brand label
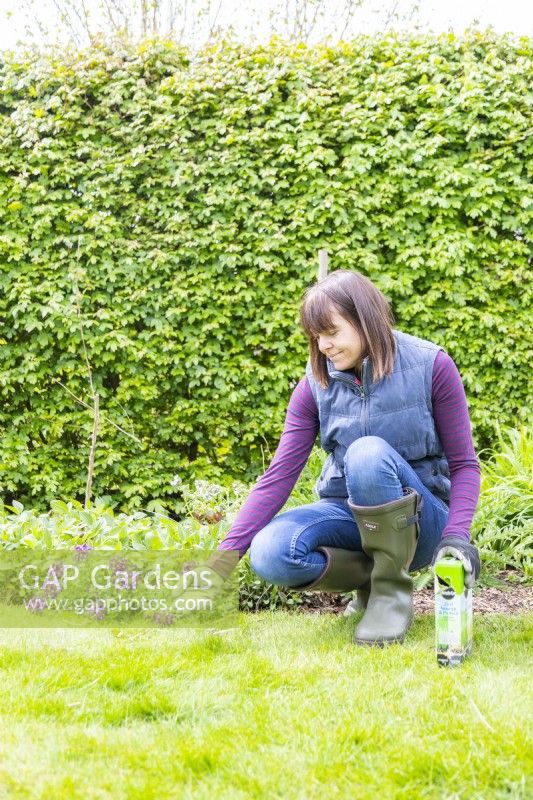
(371, 526)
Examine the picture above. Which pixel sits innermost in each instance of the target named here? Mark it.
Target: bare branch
(313, 21)
(350, 6)
(390, 15)
(66, 19)
(102, 416)
(155, 8)
(172, 16)
(78, 312)
(92, 451)
(112, 8)
(196, 21)
(184, 19)
(212, 27)
(86, 16)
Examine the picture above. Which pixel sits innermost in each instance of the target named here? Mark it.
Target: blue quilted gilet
(397, 408)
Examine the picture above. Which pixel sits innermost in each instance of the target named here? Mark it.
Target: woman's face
(342, 344)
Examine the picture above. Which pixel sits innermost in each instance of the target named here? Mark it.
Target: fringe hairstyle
(362, 304)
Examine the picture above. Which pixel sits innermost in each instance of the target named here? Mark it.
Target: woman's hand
(205, 580)
(223, 562)
(457, 547)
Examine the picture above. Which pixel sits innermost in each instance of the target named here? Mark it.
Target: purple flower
(82, 551)
(119, 565)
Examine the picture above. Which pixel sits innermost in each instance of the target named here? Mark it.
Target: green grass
(284, 706)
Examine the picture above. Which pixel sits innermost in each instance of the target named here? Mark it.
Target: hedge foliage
(172, 207)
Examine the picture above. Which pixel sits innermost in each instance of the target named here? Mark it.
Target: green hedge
(187, 197)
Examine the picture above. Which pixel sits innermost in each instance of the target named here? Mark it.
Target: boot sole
(381, 642)
(378, 642)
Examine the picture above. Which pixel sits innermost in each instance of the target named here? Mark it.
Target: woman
(401, 482)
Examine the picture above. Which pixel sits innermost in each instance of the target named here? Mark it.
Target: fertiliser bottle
(453, 612)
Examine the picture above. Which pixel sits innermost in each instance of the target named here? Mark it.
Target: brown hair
(362, 304)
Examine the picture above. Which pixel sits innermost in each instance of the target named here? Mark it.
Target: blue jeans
(284, 551)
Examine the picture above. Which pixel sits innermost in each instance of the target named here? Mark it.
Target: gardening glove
(223, 562)
(458, 547)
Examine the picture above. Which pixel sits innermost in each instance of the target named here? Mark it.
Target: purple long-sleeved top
(450, 412)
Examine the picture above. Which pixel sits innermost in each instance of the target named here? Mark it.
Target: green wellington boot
(389, 534)
(345, 570)
(359, 602)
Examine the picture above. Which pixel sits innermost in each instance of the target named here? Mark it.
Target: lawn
(284, 706)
